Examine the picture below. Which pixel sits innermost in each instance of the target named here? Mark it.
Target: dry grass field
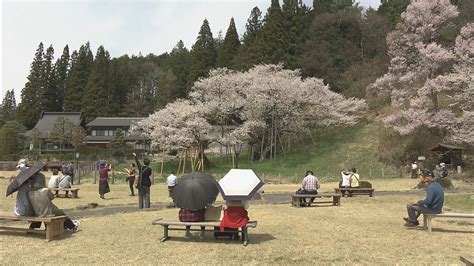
(362, 231)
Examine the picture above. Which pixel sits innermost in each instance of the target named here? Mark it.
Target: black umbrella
(23, 176)
(195, 191)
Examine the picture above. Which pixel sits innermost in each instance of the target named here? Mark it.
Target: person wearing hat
(433, 203)
(414, 169)
(443, 170)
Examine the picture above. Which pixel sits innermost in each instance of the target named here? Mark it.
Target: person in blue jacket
(433, 203)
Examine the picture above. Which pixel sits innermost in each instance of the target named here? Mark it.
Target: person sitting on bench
(346, 180)
(433, 203)
(41, 199)
(310, 185)
(54, 180)
(186, 215)
(235, 216)
(64, 182)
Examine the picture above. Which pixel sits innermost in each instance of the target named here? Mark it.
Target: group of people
(141, 180)
(417, 172)
(59, 181)
(235, 216)
(35, 199)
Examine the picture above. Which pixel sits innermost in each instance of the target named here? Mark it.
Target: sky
(121, 26)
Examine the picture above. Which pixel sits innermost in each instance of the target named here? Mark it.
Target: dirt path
(267, 198)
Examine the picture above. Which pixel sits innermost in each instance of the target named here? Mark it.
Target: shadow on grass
(66, 235)
(440, 230)
(253, 239)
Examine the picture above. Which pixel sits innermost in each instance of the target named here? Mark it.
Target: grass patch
(460, 202)
(284, 235)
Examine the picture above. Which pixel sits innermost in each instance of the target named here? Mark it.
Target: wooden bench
(355, 191)
(427, 217)
(54, 224)
(74, 191)
(468, 260)
(295, 199)
(181, 226)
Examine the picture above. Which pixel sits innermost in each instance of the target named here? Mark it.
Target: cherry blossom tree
(429, 83)
(264, 105)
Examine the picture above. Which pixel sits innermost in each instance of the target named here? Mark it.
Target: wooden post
(184, 160)
(279, 178)
(383, 175)
(202, 159)
(113, 177)
(179, 164)
(162, 163)
(95, 176)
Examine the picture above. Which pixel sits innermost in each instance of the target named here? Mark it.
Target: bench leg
(295, 202)
(245, 235)
(74, 194)
(54, 229)
(371, 194)
(429, 224)
(165, 233)
(336, 201)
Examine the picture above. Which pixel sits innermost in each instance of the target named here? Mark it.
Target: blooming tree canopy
(263, 105)
(426, 79)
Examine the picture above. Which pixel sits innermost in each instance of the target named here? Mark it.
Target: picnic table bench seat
(427, 217)
(176, 225)
(54, 224)
(74, 191)
(336, 199)
(355, 191)
(467, 259)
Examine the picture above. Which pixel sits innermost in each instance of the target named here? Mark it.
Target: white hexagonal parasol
(239, 184)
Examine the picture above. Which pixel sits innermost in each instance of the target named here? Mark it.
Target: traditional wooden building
(451, 155)
(101, 132)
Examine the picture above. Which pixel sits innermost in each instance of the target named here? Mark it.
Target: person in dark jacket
(143, 182)
(433, 203)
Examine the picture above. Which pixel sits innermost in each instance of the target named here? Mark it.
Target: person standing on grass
(310, 185)
(131, 173)
(171, 181)
(143, 183)
(104, 169)
(433, 203)
(414, 170)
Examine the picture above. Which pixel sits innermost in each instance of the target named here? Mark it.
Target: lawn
(362, 231)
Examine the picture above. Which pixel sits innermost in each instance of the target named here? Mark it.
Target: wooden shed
(451, 155)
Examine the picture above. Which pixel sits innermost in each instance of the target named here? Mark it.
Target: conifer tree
(51, 91)
(8, 107)
(180, 61)
(95, 100)
(81, 66)
(297, 19)
(248, 53)
(271, 42)
(32, 95)
(204, 53)
(230, 47)
(61, 69)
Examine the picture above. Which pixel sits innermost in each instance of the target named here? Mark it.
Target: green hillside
(331, 152)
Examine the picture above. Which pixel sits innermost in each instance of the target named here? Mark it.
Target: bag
(299, 191)
(228, 233)
(126, 179)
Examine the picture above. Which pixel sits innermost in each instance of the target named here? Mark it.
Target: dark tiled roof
(114, 121)
(47, 119)
(447, 146)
